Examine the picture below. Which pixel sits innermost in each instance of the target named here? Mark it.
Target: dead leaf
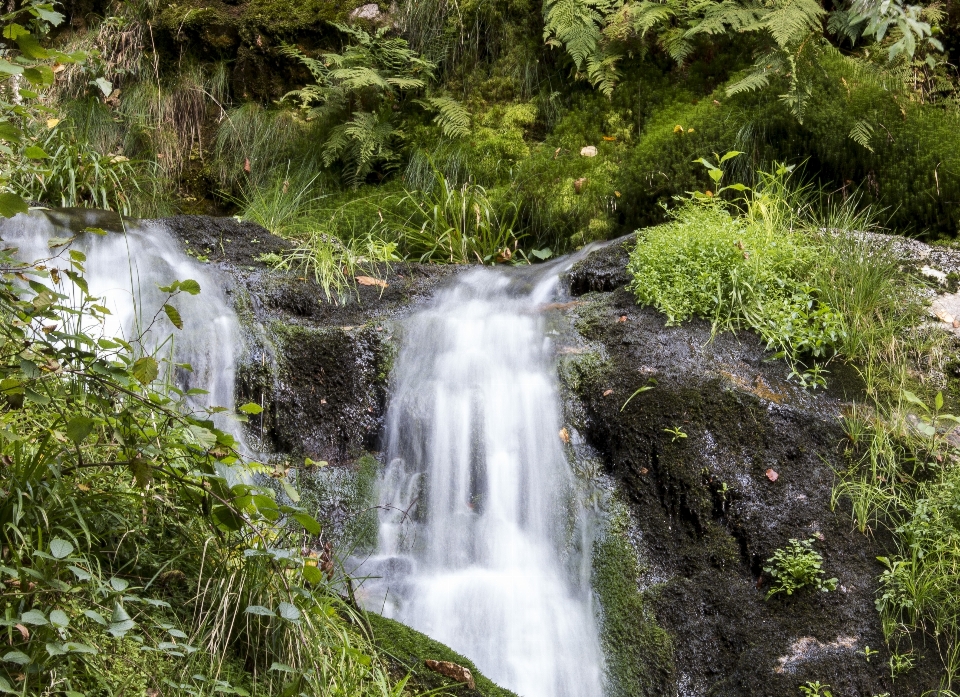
(643, 470)
(246, 164)
(610, 139)
(772, 475)
(623, 318)
(83, 487)
(607, 393)
(24, 632)
(370, 281)
(58, 67)
(579, 184)
(452, 671)
(565, 435)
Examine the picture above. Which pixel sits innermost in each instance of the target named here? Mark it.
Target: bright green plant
(815, 689)
(795, 567)
(447, 223)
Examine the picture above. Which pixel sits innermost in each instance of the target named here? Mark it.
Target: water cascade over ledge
(482, 541)
(126, 267)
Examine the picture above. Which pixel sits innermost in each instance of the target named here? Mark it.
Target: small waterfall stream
(126, 269)
(481, 533)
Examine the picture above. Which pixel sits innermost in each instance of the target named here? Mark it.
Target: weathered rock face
(318, 368)
(706, 510)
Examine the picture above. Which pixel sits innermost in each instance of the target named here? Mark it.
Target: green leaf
(282, 667)
(81, 574)
(48, 14)
(146, 370)
(119, 584)
(78, 428)
(55, 242)
(8, 68)
(58, 618)
(18, 657)
(11, 204)
(190, 286)
(730, 155)
(312, 574)
(35, 152)
(9, 132)
(33, 617)
(260, 610)
(105, 86)
(542, 254)
(14, 31)
(96, 617)
(55, 649)
(5, 687)
(251, 408)
(308, 522)
(289, 611)
(938, 401)
(59, 547)
(291, 492)
(227, 517)
(40, 75)
(173, 316)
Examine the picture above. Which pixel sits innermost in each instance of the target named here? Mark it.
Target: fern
(353, 95)
(862, 133)
(792, 21)
(578, 26)
(452, 118)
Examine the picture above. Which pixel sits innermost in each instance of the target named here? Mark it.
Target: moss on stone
(639, 652)
(408, 649)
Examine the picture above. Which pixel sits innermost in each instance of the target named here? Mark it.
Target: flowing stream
(126, 269)
(482, 539)
(483, 543)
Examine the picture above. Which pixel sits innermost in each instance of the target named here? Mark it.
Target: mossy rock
(407, 649)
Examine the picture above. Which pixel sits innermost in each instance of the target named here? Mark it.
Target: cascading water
(480, 531)
(126, 269)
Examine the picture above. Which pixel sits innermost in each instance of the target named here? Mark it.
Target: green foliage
(446, 223)
(815, 689)
(740, 271)
(354, 94)
(111, 588)
(795, 567)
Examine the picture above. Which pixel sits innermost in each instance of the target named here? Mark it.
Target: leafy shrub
(744, 271)
(795, 567)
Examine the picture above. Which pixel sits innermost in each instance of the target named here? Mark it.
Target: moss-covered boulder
(720, 464)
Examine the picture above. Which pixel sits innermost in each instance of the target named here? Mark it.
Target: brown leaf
(772, 475)
(565, 435)
(607, 393)
(246, 164)
(452, 671)
(24, 632)
(622, 318)
(643, 470)
(370, 281)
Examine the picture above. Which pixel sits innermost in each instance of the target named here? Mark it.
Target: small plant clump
(795, 567)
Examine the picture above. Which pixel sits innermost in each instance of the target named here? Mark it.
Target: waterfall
(126, 267)
(479, 518)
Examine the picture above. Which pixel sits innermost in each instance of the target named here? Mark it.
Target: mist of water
(480, 541)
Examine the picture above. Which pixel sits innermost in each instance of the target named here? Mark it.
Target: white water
(479, 515)
(126, 270)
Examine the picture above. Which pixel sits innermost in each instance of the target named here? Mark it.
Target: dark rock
(318, 367)
(707, 513)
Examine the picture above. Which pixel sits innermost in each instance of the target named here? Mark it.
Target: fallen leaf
(565, 435)
(772, 475)
(452, 671)
(246, 164)
(83, 487)
(643, 470)
(623, 318)
(370, 281)
(24, 632)
(58, 67)
(52, 123)
(609, 139)
(607, 393)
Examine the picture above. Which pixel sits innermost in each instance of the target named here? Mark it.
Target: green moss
(408, 648)
(639, 652)
(579, 370)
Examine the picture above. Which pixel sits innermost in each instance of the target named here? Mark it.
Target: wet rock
(318, 367)
(369, 12)
(706, 509)
(588, 151)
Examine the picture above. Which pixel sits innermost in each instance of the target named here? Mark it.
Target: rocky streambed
(687, 613)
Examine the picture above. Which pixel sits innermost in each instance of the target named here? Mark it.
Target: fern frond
(452, 117)
(793, 20)
(751, 82)
(862, 133)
